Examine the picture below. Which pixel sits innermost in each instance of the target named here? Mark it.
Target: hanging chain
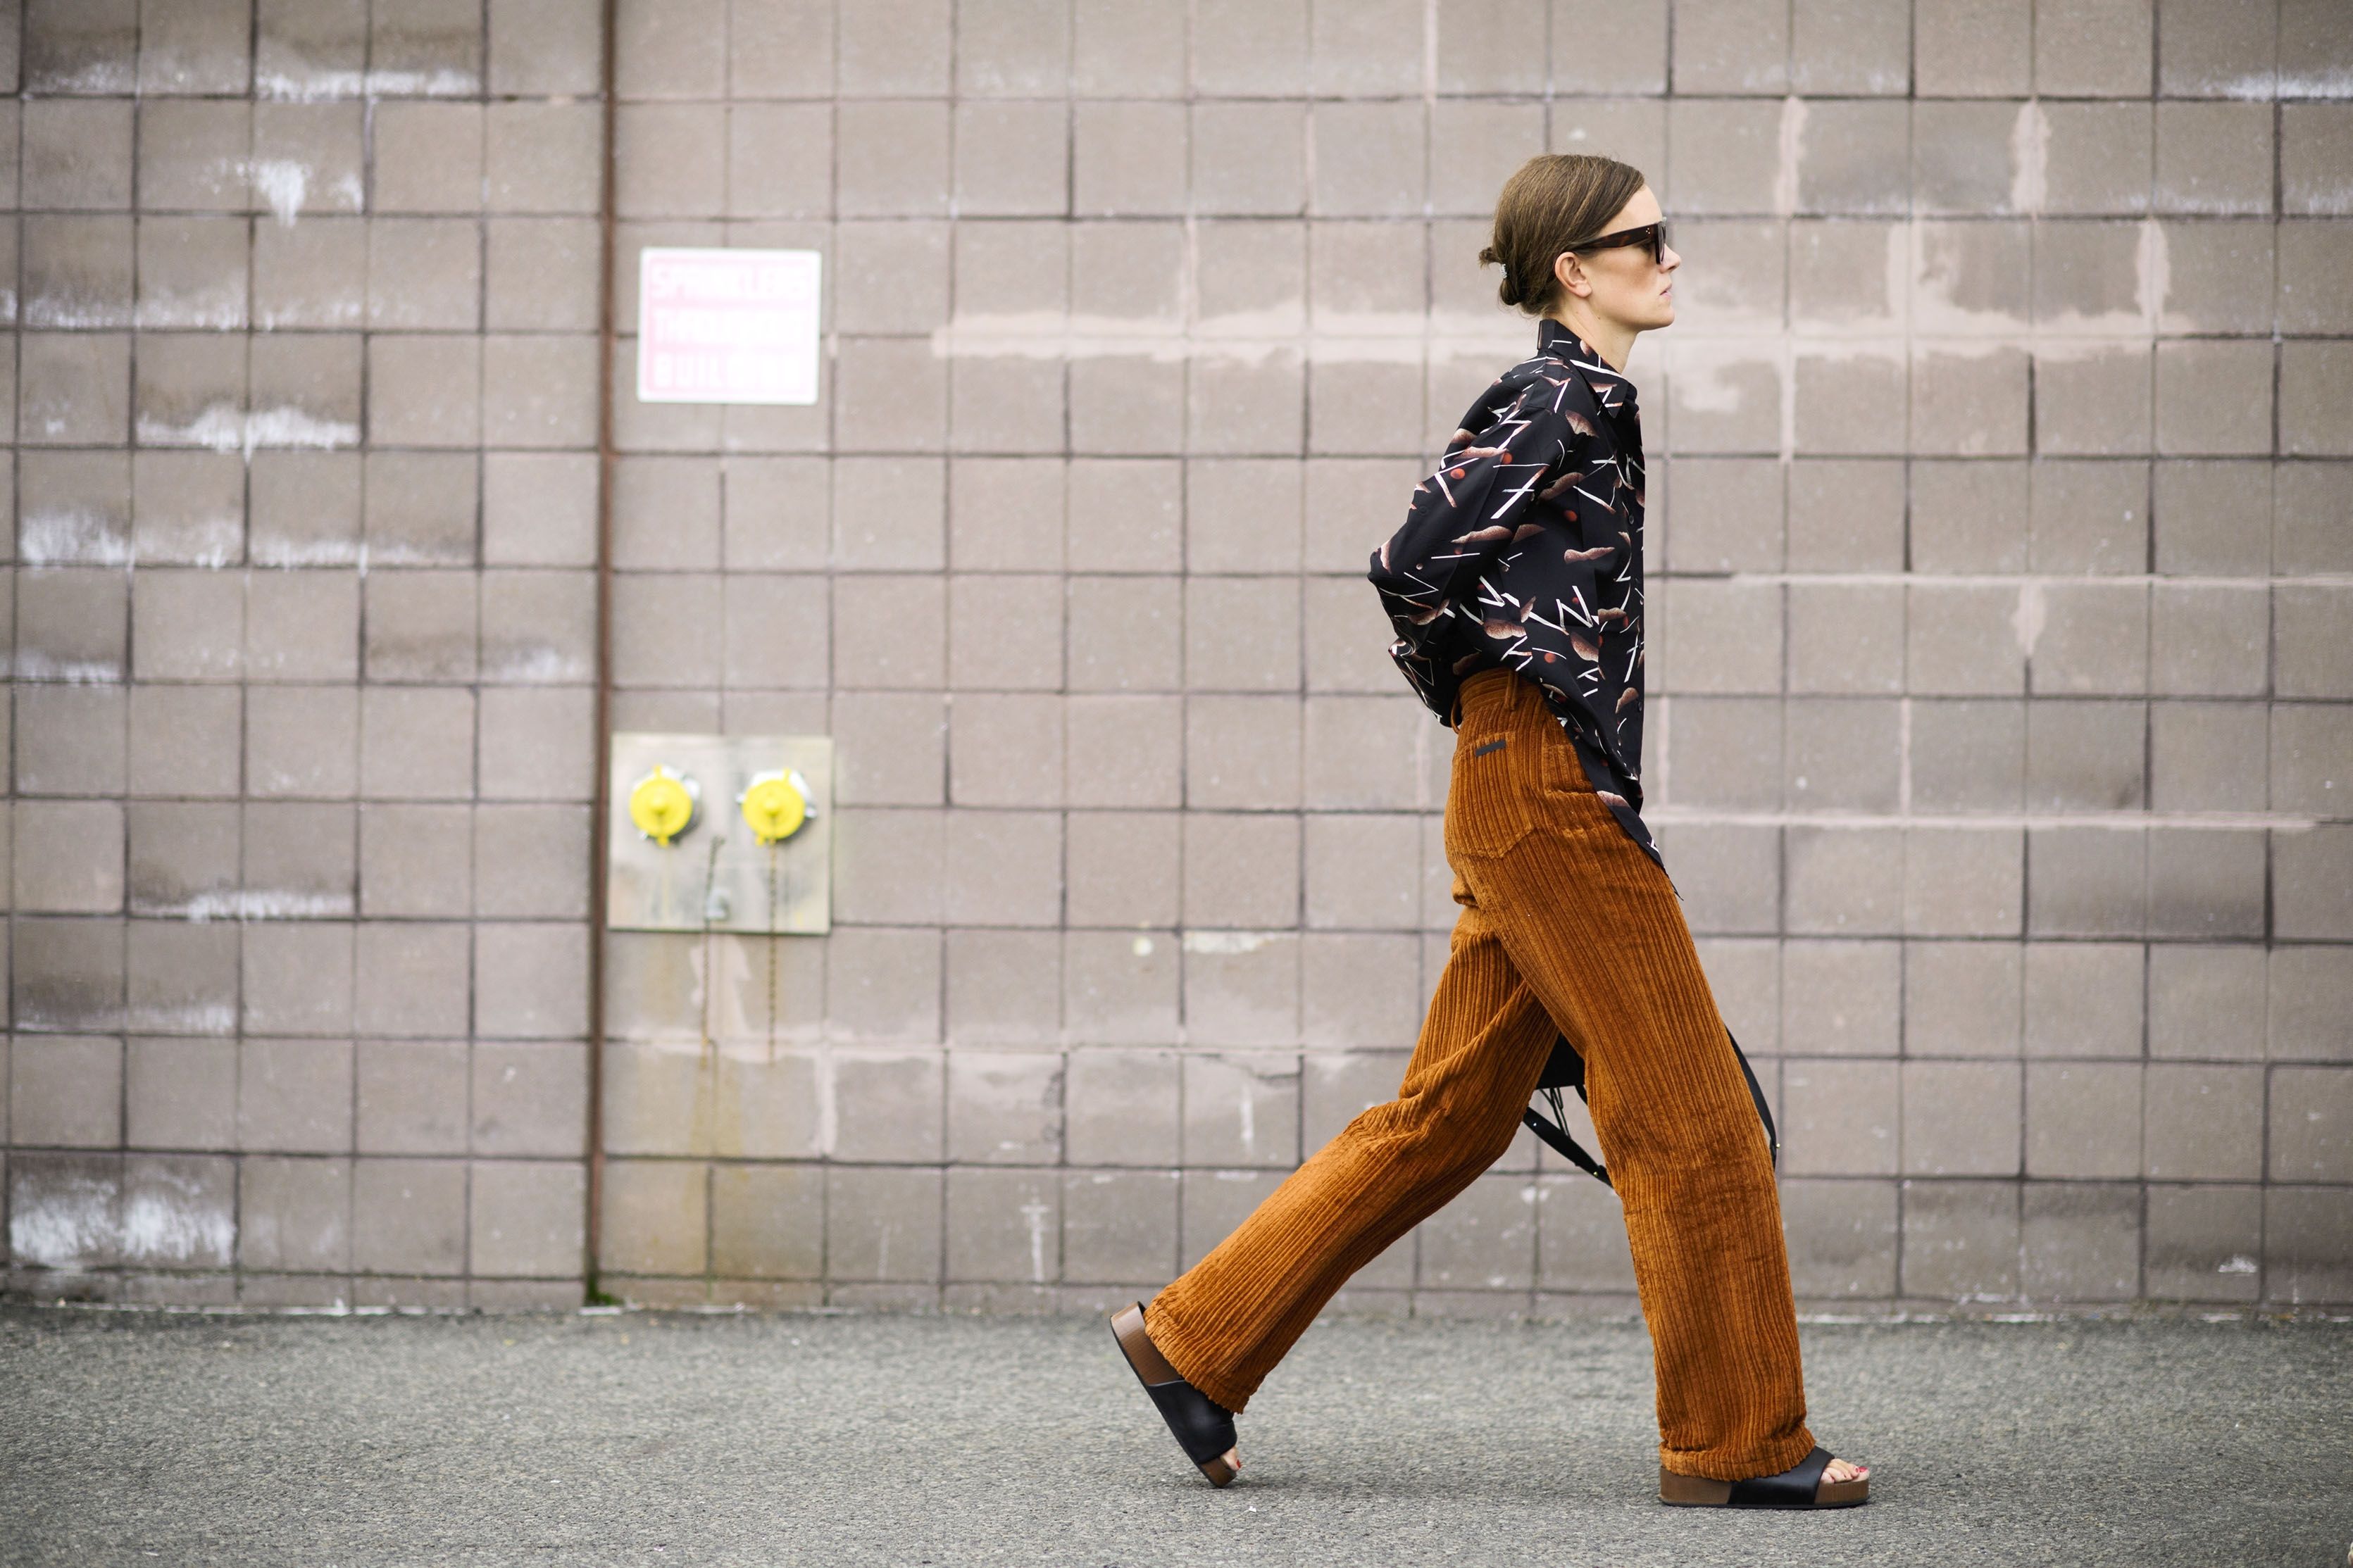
(775, 952)
(710, 971)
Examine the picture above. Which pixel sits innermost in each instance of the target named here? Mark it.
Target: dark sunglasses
(1652, 235)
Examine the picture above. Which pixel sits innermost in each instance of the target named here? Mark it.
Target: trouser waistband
(1495, 690)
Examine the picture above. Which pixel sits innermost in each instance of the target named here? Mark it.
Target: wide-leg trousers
(1565, 925)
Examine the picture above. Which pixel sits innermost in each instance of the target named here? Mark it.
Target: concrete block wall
(2003, 564)
(305, 300)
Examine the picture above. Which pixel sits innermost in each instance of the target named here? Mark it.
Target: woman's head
(1559, 202)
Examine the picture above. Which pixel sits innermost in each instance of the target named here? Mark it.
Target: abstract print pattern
(1523, 550)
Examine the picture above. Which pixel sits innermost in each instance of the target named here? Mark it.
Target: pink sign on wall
(727, 326)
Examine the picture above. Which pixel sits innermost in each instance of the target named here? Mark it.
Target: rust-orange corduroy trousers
(1566, 924)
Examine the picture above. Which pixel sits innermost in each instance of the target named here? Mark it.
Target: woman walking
(1515, 591)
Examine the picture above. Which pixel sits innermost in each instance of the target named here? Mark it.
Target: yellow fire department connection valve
(775, 804)
(663, 804)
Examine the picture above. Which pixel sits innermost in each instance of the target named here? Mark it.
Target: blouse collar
(1611, 391)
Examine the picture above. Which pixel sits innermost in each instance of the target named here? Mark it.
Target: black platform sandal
(1799, 1486)
(1203, 1428)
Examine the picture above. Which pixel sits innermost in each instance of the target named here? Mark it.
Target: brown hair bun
(1553, 201)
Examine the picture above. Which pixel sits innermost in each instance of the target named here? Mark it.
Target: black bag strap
(1570, 1073)
(1555, 1134)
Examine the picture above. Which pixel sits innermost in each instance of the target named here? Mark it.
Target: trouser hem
(1770, 1459)
(1178, 1347)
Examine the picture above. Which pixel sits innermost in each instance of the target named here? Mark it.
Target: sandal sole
(1697, 1491)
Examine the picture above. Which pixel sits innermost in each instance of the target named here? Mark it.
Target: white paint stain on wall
(30, 664)
(309, 552)
(284, 186)
(70, 312)
(110, 77)
(1792, 155)
(257, 904)
(730, 991)
(209, 1018)
(315, 85)
(443, 81)
(304, 84)
(2030, 157)
(2028, 619)
(829, 1105)
(63, 536)
(344, 312)
(64, 1221)
(93, 1217)
(537, 664)
(170, 1219)
(2153, 277)
(1034, 1214)
(210, 542)
(1228, 941)
(2263, 86)
(281, 183)
(224, 427)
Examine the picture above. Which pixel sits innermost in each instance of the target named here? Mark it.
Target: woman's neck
(1611, 341)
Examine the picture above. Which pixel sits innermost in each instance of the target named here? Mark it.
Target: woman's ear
(1571, 274)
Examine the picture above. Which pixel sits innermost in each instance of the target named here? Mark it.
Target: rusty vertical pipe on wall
(600, 724)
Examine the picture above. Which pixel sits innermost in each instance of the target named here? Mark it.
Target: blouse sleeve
(1478, 504)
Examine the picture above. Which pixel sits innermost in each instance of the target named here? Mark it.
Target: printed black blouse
(1525, 549)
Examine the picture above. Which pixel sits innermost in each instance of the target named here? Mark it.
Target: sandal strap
(1793, 1488)
(1203, 1428)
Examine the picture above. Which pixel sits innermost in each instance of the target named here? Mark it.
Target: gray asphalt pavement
(667, 1439)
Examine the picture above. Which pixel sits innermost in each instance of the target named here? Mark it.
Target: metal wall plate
(717, 876)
